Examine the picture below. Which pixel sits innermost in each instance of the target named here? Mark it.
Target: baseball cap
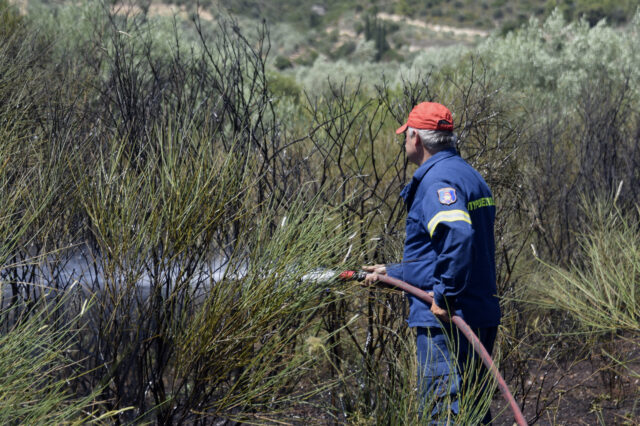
(428, 116)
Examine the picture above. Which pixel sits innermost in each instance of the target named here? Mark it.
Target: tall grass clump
(196, 235)
(36, 336)
(246, 348)
(220, 323)
(598, 296)
(601, 289)
(36, 367)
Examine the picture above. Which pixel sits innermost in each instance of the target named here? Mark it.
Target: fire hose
(478, 347)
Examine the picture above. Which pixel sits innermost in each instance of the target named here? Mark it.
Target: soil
(583, 394)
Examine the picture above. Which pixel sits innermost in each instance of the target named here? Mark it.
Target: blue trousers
(440, 373)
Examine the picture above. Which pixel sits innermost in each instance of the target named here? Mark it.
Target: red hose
(464, 328)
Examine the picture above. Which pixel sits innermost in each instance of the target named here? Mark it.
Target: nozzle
(352, 276)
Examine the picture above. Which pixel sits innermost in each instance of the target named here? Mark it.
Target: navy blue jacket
(449, 246)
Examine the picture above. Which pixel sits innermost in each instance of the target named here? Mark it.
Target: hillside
(303, 30)
(374, 30)
(484, 14)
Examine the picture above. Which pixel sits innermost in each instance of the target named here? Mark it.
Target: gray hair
(435, 140)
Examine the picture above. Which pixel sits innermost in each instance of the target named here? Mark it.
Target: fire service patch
(447, 196)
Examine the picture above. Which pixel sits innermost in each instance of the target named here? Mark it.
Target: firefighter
(449, 251)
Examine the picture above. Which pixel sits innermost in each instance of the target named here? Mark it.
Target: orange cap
(428, 116)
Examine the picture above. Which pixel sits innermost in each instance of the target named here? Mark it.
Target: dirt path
(465, 32)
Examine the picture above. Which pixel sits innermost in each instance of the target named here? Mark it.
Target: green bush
(282, 62)
(308, 57)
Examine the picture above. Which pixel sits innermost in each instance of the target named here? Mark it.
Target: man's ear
(416, 135)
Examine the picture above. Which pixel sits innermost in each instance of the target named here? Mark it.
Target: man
(449, 251)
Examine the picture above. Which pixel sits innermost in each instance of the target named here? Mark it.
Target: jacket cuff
(442, 301)
(394, 270)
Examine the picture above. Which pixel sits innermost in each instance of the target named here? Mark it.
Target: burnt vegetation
(163, 205)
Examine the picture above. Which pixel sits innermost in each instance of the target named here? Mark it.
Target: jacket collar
(424, 168)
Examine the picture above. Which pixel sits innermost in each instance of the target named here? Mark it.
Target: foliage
(461, 13)
(599, 290)
(282, 62)
(194, 192)
(557, 56)
(301, 13)
(376, 31)
(559, 70)
(593, 11)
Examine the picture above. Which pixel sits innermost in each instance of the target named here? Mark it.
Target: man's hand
(441, 314)
(374, 271)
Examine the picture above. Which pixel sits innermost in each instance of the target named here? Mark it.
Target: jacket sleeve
(449, 226)
(394, 270)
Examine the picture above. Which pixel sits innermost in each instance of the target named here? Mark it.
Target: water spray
(464, 328)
